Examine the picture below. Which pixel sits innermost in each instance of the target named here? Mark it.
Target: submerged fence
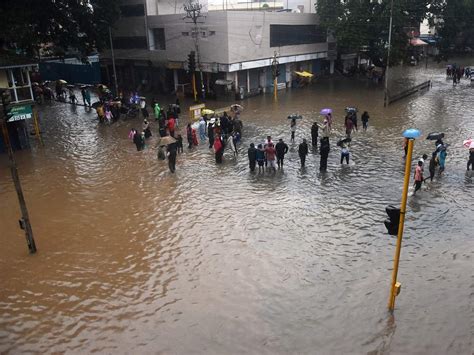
(408, 92)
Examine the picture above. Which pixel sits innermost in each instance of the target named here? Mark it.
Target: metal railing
(408, 92)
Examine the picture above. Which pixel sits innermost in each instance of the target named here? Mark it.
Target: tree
(362, 25)
(454, 24)
(27, 25)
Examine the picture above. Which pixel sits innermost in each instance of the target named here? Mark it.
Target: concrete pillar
(262, 79)
(236, 81)
(175, 79)
(331, 67)
(248, 80)
(288, 75)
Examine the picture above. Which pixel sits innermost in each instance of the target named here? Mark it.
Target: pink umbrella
(468, 143)
(326, 111)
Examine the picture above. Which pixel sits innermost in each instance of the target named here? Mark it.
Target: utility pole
(193, 12)
(385, 96)
(113, 62)
(25, 220)
(275, 74)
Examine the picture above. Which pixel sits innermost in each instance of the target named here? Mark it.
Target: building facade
(236, 49)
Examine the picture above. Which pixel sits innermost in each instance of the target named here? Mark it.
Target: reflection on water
(214, 259)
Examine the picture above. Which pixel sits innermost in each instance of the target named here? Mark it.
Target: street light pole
(385, 99)
(113, 61)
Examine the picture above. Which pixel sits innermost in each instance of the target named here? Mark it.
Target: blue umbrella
(326, 111)
(412, 133)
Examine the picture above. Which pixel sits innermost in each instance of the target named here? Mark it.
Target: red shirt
(171, 124)
(418, 173)
(271, 153)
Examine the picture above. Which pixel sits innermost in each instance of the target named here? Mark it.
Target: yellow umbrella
(304, 74)
(207, 111)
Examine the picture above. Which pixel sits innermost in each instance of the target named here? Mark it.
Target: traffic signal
(393, 219)
(192, 62)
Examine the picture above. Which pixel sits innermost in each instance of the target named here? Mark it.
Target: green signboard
(18, 113)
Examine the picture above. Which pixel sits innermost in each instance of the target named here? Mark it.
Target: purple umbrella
(326, 111)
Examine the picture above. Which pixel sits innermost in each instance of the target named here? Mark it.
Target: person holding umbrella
(293, 129)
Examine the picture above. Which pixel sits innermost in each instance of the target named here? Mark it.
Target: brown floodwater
(216, 260)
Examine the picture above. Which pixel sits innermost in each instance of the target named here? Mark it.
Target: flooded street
(216, 260)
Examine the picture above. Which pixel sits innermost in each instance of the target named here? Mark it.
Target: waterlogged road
(215, 260)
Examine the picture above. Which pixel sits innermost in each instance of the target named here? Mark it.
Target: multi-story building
(152, 42)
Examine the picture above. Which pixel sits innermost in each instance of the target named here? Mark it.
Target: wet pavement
(214, 259)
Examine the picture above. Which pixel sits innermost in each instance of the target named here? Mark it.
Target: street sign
(19, 113)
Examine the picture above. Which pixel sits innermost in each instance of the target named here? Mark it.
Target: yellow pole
(275, 89)
(194, 87)
(37, 129)
(395, 288)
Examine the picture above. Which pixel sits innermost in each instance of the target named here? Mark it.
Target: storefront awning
(416, 42)
(224, 82)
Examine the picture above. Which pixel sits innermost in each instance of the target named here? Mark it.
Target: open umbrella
(468, 143)
(236, 107)
(351, 109)
(167, 140)
(70, 86)
(295, 117)
(304, 74)
(61, 81)
(342, 141)
(326, 111)
(207, 111)
(434, 136)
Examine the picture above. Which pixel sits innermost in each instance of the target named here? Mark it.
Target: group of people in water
(269, 155)
(457, 72)
(225, 132)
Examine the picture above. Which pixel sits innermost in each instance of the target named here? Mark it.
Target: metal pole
(113, 61)
(388, 55)
(395, 288)
(25, 222)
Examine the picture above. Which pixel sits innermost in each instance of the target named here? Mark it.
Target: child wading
(418, 177)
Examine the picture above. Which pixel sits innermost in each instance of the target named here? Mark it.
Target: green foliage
(363, 25)
(454, 24)
(81, 24)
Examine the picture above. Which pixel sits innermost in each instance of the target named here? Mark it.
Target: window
(290, 35)
(159, 38)
(130, 43)
(132, 10)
